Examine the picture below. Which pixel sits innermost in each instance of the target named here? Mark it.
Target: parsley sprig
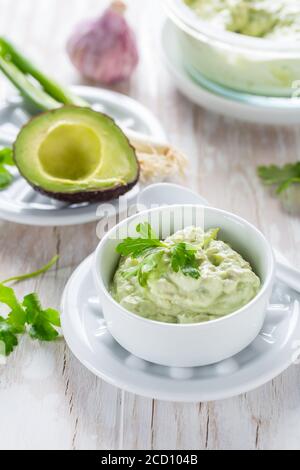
(6, 160)
(41, 323)
(150, 249)
(281, 177)
(141, 245)
(183, 258)
(8, 337)
(26, 316)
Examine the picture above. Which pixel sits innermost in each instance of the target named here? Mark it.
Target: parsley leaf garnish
(136, 247)
(6, 159)
(150, 249)
(146, 231)
(281, 177)
(148, 264)
(183, 259)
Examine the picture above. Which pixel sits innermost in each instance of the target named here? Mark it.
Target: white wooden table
(47, 399)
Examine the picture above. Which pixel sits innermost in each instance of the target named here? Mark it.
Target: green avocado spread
(273, 19)
(226, 282)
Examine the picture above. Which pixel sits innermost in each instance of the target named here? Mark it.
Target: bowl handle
(168, 194)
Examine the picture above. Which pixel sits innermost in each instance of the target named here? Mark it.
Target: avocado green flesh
(76, 154)
(227, 283)
(70, 152)
(272, 19)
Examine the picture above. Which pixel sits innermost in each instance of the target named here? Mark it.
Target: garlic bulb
(105, 50)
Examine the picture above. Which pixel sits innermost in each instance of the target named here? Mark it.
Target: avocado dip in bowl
(219, 283)
(197, 295)
(250, 46)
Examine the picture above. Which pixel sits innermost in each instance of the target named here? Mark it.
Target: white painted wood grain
(47, 399)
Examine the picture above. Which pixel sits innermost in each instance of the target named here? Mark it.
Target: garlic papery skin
(105, 50)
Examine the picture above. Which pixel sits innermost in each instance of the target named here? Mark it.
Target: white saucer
(269, 355)
(21, 204)
(266, 110)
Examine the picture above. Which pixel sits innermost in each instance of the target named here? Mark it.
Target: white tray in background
(21, 204)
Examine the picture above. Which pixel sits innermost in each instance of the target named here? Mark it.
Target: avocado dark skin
(120, 151)
(91, 196)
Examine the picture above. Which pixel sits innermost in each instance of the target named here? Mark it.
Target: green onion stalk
(35, 87)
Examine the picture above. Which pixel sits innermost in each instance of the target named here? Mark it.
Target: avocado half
(76, 155)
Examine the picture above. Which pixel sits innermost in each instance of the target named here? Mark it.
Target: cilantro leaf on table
(26, 316)
(6, 159)
(282, 177)
(17, 315)
(8, 336)
(41, 322)
(6, 177)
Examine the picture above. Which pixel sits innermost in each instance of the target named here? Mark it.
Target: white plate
(247, 107)
(21, 204)
(268, 356)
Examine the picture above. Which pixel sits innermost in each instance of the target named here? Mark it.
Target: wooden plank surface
(47, 399)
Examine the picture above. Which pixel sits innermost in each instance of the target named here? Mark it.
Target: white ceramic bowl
(248, 64)
(190, 345)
